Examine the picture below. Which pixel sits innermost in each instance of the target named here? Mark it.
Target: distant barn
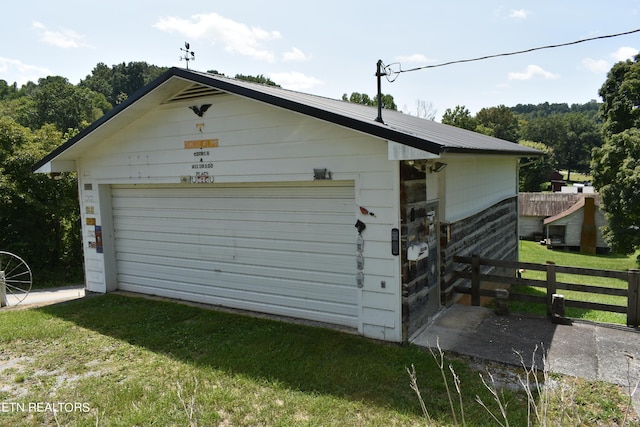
(558, 219)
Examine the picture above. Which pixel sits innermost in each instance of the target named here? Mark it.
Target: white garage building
(209, 189)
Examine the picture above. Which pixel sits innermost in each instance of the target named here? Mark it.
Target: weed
(190, 406)
(550, 401)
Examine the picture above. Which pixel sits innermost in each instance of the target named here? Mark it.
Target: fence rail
(473, 273)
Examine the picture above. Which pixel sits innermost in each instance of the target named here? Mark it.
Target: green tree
(257, 79)
(63, 104)
(8, 91)
(499, 122)
(535, 172)
(39, 216)
(364, 99)
(616, 175)
(582, 136)
(101, 80)
(549, 130)
(459, 117)
(544, 109)
(120, 81)
(614, 166)
(571, 135)
(621, 95)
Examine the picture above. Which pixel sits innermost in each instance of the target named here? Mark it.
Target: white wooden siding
(476, 183)
(258, 145)
(529, 226)
(573, 230)
(281, 249)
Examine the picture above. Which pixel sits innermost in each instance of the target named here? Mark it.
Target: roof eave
(517, 153)
(371, 127)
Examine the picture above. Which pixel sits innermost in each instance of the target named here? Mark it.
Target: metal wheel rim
(17, 277)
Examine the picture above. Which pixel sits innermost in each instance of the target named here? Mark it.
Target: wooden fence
(473, 273)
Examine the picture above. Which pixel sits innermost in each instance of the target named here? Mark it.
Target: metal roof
(550, 204)
(423, 134)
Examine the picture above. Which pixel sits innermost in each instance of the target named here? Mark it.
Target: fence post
(475, 280)
(551, 285)
(502, 302)
(633, 298)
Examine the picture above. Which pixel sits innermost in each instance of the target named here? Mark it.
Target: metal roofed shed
(210, 189)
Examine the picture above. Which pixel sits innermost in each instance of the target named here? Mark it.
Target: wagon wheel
(15, 278)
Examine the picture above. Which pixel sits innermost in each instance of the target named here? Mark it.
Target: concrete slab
(588, 350)
(47, 296)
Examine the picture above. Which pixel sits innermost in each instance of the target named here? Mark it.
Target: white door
(286, 249)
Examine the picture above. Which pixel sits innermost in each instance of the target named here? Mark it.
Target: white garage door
(280, 249)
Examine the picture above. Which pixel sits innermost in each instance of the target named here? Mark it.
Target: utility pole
(379, 74)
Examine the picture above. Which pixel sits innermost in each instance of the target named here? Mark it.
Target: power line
(390, 72)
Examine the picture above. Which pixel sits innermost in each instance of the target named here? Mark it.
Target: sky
(331, 48)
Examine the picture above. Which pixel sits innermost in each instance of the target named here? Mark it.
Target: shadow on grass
(609, 255)
(304, 358)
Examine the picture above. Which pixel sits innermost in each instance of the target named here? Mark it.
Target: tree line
(566, 134)
(40, 218)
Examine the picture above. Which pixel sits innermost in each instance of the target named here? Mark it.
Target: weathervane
(188, 54)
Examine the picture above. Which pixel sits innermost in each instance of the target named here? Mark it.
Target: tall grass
(551, 400)
(135, 361)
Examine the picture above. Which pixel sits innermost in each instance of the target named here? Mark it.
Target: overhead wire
(390, 72)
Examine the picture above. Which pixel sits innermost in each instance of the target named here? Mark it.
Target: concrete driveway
(594, 351)
(47, 296)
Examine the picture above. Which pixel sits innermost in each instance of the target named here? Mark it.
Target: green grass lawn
(536, 253)
(131, 361)
(577, 176)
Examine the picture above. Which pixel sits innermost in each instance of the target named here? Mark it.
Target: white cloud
(235, 36)
(414, 58)
(295, 54)
(603, 66)
(295, 80)
(596, 65)
(624, 53)
(64, 38)
(518, 14)
(22, 72)
(531, 72)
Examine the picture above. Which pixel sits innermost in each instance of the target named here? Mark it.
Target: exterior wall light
(437, 167)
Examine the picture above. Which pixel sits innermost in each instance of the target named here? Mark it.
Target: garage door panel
(225, 205)
(247, 256)
(346, 319)
(280, 248)
(296, 232)
(229, 285)
(316, 217)
(134, 241)
(330, 190)
(153, 266)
